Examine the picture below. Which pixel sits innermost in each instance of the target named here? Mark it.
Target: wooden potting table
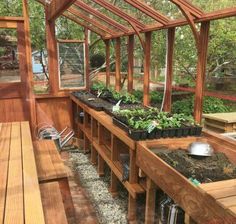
(207, 203)
(20, 199)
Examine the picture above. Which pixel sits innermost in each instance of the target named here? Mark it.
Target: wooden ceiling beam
(117, 11)
(57, 7)
(93, 22)
(81, 23)
(101, 16)
(145, 8)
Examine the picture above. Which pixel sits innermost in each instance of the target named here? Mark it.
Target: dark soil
(92, 101)
(204, 169)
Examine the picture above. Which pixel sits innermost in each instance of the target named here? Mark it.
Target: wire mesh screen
(71, 65)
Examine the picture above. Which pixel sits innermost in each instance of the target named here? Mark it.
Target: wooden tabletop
(20, 200)
(224, 117)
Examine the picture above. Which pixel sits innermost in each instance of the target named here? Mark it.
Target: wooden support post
(201, 70)
(118, 75)
(28, 78)
(133, 178)
(150, 202)
(169, 69)
(130, 62)
(114, 158)
(52, 56)
(147, 59)
(107, 43)
(86, 42)
(132, 208)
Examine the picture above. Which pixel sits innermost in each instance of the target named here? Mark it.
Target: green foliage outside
(210, 105)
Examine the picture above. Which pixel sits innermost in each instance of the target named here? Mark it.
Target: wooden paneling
(12, 110)
(55, 111)
(10, 90)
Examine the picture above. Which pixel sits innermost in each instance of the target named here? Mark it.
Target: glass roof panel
(96, 19)
(107, 13)
(132, 11)
(213, 5)
(166, 8)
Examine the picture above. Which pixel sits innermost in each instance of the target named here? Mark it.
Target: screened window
(9, 63)
(71, 65)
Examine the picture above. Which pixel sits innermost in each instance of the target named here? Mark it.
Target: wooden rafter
(93, 22)
(220, 14)
(57, 7)
(145, 8)
(81, 23)
(195, 11)
(101, 16)
(190, 18)
(117, 11)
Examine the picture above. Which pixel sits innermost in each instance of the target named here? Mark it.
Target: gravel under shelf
(109, 210)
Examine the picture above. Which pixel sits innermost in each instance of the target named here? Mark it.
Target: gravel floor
(109, 210)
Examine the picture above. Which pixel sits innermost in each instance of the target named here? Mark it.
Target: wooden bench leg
(113, 186)
(86, 144)
(188, 219)
(101, 164)
(67, 199)
(132, 206)
(93, 156)
(150, 202)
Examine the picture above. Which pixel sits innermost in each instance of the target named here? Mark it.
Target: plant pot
(152, 135)
(136, 135)
(172, 132)
(158, 133)
(165, 133)
(198, 130)
(192, 131)
(120, 124)
(179, 132)
(185, 131)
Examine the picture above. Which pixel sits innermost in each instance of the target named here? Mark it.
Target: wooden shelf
(133, 189)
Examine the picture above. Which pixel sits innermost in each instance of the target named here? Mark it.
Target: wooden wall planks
(12, 110)
(55, 111)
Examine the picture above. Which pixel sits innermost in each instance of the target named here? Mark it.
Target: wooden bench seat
(53, 207)
(51, 168)
(49, 163)
(20, 199)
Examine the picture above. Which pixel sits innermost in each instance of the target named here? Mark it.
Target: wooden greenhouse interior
(34, 181)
